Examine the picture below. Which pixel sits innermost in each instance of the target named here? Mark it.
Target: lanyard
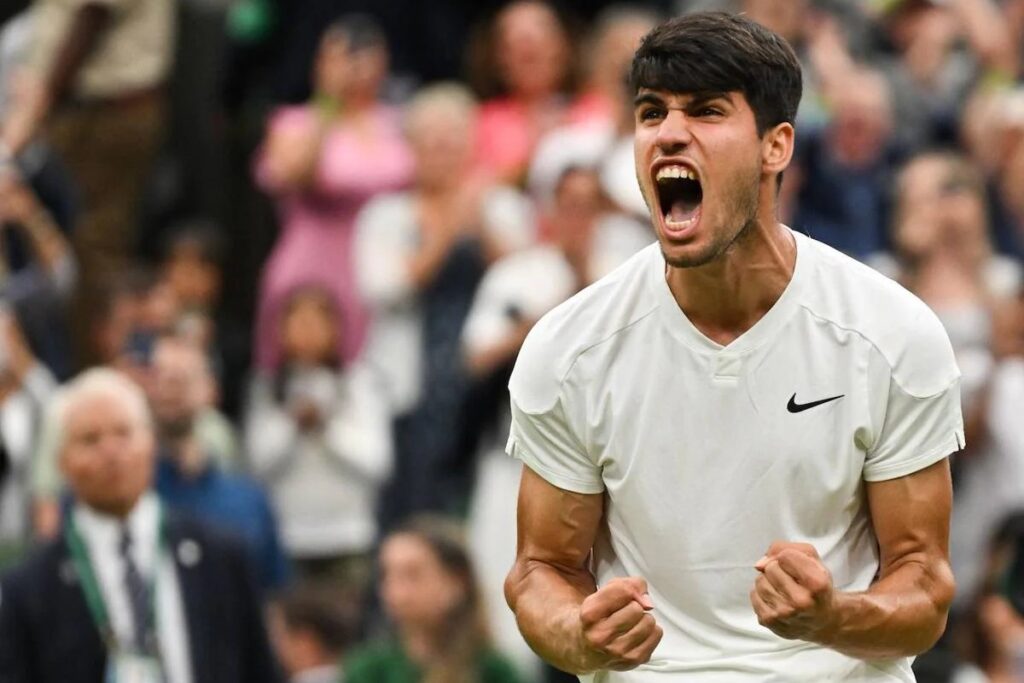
(91, 587)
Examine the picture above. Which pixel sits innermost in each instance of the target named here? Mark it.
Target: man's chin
(687, 256)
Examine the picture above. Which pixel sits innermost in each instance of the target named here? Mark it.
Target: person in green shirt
(430, 594)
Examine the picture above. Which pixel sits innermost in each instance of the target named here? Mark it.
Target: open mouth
(679, 196)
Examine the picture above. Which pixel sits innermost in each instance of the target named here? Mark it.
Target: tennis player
(735, 444)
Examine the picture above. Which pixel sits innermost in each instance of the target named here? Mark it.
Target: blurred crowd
(270, 263)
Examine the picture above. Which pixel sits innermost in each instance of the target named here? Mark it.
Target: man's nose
(674, 133)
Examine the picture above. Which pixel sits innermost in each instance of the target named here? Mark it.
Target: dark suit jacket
(48, 636)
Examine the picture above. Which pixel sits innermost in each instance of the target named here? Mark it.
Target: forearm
(988, 34)
(45, 240)
(425, 264)
(546, 601)
(902, 614)
(31, 111)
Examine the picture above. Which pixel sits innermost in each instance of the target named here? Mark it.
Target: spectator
(38, 286)
(604, 142)
(945, 256)
(139, 310)
(130, 589)
(523, 66)
(990, 481)
(613, 39)
(26, 387)
(845, 170)
(187, 477)
(318, 434)
(991, 635)
(98, 67)
(430, 595)
(321, 162)
(992, 130)
(420, 256)
(941, 50)
(316, 633)
(191, 268)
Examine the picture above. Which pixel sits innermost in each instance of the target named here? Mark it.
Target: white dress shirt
(101, 535)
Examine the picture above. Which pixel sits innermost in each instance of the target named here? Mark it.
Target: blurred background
(316, 232)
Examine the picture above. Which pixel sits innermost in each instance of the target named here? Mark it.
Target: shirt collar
(102, 532)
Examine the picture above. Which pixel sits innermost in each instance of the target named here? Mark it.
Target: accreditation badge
(128, 667)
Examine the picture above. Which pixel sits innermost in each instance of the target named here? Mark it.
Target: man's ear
(777, 148)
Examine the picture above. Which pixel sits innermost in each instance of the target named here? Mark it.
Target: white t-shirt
(703, 461)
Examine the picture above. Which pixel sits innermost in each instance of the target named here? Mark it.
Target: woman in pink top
(321, 161)
(524, 66)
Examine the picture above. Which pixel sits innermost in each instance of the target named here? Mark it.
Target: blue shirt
(234, 503)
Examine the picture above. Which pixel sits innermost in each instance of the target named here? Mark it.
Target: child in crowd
(315, 632)
(317, 432)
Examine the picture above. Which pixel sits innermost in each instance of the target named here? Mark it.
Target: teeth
(675, 172)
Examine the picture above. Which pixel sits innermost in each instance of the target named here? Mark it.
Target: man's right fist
(617, 626)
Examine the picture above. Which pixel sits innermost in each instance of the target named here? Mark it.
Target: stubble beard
(746, 199)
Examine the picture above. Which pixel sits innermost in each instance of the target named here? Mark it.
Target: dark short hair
(326, 611)
(718, 52)
(359, 31)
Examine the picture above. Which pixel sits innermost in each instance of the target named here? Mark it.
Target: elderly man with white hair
(128, 591)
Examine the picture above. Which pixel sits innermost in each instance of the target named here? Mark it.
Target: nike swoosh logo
(795, 407)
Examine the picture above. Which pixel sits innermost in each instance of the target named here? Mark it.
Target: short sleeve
(544, 436)
(922, 422)
(545, 443)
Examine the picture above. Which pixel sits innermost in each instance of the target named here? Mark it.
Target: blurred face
(417, 591)
(532, 49)
(180, 386)
(440, 144)
(310, 332)
(939, 210)
(614, 51)
(194, 281)
(862, 121)
(699, 165)
(578, 204)
(341, 73)
(108, 452)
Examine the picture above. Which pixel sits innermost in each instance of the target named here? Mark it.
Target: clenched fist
(618, 629)
(794, 596)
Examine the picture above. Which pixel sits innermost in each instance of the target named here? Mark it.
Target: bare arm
(989, 34)
(87, 26)
(560, 611)
(904, 611)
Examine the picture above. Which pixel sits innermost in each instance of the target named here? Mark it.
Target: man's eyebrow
(696, 98)
(648, 98)
(709, 96)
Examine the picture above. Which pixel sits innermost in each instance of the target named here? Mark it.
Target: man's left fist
(794, 596)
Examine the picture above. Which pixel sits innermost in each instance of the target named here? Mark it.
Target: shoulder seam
(875, 346)
(610, 335)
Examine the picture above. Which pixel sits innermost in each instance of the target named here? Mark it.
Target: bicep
(556, 526)
(910, 516)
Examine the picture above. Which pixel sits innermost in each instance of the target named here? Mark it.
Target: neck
(118, 510)
(419, 643)
(440, 188)
(726, 297)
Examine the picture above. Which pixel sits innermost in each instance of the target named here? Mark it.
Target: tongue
(681, 211)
